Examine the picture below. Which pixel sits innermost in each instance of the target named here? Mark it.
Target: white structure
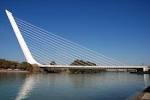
(31, 60)
(21, 40)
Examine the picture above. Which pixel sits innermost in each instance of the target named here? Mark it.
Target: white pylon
(21, 40)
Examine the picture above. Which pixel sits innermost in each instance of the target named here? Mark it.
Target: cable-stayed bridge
(40, 47)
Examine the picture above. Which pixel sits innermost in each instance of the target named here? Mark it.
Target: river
(101, 86)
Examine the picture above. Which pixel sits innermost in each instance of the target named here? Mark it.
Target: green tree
(26, 66)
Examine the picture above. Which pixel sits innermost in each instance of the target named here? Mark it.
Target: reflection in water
(26, 88)
(146, 80)
(86, 86)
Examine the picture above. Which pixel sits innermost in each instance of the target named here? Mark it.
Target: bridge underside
(144, 68)
(88, 67)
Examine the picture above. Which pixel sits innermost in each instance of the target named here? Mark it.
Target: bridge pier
(145, 69)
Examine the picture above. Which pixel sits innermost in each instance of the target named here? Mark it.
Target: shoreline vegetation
(14, 66)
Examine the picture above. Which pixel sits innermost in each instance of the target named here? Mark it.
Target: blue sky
(117, 28)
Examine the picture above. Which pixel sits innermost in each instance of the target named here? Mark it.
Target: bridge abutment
(145, 69)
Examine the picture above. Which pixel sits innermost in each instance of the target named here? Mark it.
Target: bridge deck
(68, 66)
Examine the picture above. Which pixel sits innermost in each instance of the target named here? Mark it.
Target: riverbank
(13, 71)
(37, 69)
(71, 70)
(146, 94)
(143, 95)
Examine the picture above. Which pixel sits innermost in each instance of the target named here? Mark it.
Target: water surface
(101, 86)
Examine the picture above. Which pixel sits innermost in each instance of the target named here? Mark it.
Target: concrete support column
(145, 69)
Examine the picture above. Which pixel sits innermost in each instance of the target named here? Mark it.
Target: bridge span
(145, 68)
(73, 66)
